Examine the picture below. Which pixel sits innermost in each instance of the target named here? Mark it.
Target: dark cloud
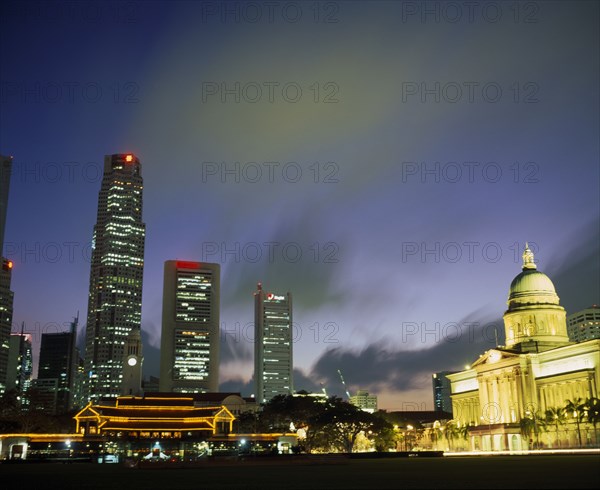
(576, 276)
(380, 366)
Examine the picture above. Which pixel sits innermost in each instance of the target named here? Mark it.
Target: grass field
(564, 471)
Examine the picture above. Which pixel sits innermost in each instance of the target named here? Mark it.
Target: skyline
(374, 210)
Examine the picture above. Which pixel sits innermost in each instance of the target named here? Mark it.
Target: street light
(408, 428)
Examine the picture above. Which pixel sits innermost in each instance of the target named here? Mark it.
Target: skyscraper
(584, 325)
(117, 269)
(6, 295)
(441, 392)
(58, 360)
(189, 350)
(20, 365)
(273, 359)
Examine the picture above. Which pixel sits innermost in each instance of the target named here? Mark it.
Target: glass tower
(117, 269)
(190, 327)
(273, 360)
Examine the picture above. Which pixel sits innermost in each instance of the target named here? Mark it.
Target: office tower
(58, 360)
(5, 171)
(6, 314)
(441, 392)
(117, 269)
(20, 366)
(189, 348)
(273, 359)
(6, 295)
(584, 325)
(364, 401)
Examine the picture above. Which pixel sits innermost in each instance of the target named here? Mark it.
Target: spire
(528, 261)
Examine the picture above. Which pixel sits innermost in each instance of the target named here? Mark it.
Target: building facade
(512, 387)
(20, 366)
(585, 324)
(6, 295)
(273, 345)
(189, 352)
(6, 315)
(59, 359)
(364, 401)
(441, 391)
(116, 276)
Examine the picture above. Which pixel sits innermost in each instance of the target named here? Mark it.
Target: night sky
(393, 159)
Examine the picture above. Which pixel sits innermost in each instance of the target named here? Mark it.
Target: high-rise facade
(6, 295)
(20, 365)
(189, 352)
(117, 269)
(59, 360)
(273, 353)
(584, 325)
(441, 391)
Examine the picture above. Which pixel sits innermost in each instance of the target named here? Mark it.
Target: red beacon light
(129, 158)
(10, 264)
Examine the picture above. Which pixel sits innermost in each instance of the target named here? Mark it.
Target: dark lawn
(550, 471)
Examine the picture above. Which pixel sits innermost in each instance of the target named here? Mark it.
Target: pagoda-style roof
(153, 414)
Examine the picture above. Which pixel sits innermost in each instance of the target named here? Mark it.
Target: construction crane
(323, 389)
(344, 383)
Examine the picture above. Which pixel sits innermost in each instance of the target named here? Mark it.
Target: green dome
(531, 282)
(531, 286)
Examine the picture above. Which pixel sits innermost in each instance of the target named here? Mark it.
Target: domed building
(537, 370)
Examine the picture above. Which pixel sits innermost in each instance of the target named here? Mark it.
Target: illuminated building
(189, 352)
(273, 353)
(6, 295)
(364, 401)
(441, 391)
(585, 324)
(6, 314)
(58, 360)
(538, 369)
(20, 365)
(117, 269)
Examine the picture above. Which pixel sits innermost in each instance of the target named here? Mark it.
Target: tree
(556, 416)
(532, 425)
(340, 423)
(576, 410)
(593, 414)
(451, 432)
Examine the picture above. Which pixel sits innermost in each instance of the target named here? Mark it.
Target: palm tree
(577, 410)
(556, 416)
(451, 432)
(593, 414)
(533, 423)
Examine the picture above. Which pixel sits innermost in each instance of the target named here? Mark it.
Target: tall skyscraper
(117, 270)
(59, 360)
(6, 314)
(20, 365)
(584, 325)
(6, 295)
(441, 391)
(189, 348)
(273, 353)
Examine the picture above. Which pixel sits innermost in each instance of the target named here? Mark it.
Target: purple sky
(351, 116)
